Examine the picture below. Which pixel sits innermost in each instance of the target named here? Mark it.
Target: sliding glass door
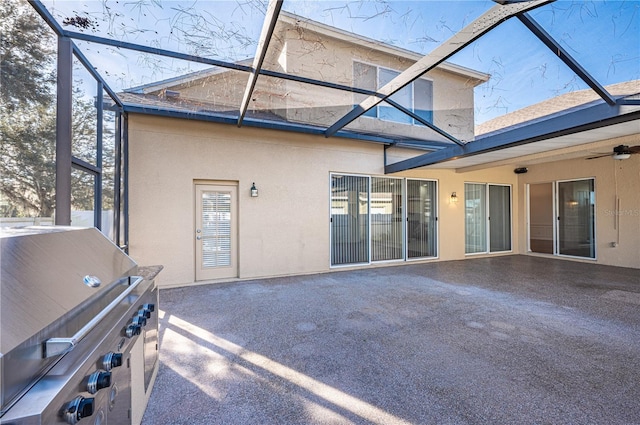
(562, 218)
(487, 218)
(499, 218)
(421, 219)
(349, 219)
(368, 216)
(475, 218)
(386, 219)
(541, 218)
(576, 221)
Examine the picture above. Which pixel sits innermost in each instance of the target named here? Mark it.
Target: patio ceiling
(519, 55)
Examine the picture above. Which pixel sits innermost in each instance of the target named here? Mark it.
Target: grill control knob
(77, 409)
(98, 380)
(112, 360)
(132, 330)
(139, 321)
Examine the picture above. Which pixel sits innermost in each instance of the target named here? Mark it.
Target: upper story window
(417, 96)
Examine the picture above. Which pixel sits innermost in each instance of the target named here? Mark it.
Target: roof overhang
(592, 123)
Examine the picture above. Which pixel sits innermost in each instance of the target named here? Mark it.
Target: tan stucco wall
(331, 59)
(224, 89)
(308, 54)
(608, 174)
(451, 220)
(285, 230)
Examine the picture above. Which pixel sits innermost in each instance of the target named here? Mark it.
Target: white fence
(78, 219)
(25, 221)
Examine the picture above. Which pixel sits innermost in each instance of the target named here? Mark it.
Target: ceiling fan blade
(634, 149)
(600, 156)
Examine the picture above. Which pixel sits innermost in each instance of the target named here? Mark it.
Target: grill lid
(48, 276)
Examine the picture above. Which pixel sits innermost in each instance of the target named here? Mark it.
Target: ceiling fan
(620, 152)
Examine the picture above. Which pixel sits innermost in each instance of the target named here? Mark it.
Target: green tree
(27, 53)
(28, 120)
(27, 107)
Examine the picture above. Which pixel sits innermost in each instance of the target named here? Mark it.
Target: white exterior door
(216, 231)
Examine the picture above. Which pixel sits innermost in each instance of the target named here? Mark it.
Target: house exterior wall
(285, 231)
(224, 89)
(613, 224)
(331, 59)
(307, 53)
(451, 220)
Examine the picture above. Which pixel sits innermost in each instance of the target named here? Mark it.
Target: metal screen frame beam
(424, 122)
(589, 118)
(272, 125)
(117, 176)
(48, 17)
(125, 181)
(565, 57)
(154, 51)
(269, 25)
(64, 133)
(85, 62)
(476, 29)
(97, 205)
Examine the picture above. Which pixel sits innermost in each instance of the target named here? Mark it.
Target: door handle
(198, 237)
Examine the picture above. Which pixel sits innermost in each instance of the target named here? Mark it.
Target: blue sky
(604, 36)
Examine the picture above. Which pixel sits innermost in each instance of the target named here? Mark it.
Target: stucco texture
(283, 231)
(614, 223)
(286, 230)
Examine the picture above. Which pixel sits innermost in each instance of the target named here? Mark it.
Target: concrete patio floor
(503, 340)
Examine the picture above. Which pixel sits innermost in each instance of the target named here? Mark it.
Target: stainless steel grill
(79, 329)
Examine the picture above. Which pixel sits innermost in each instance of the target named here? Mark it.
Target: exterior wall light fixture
(254, 191)
(454, 198)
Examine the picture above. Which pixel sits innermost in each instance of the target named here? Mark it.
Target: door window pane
(386, 219)
(576, 228)
(421, 219)
(216, 229)
(499, 218)
(349, 219)
(475, 218)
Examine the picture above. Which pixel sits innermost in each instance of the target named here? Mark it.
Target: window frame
(411, 121)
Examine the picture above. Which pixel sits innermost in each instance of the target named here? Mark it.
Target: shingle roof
(554, 106)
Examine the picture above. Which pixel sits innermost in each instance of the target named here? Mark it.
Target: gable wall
(307, 54)
(330, 59)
